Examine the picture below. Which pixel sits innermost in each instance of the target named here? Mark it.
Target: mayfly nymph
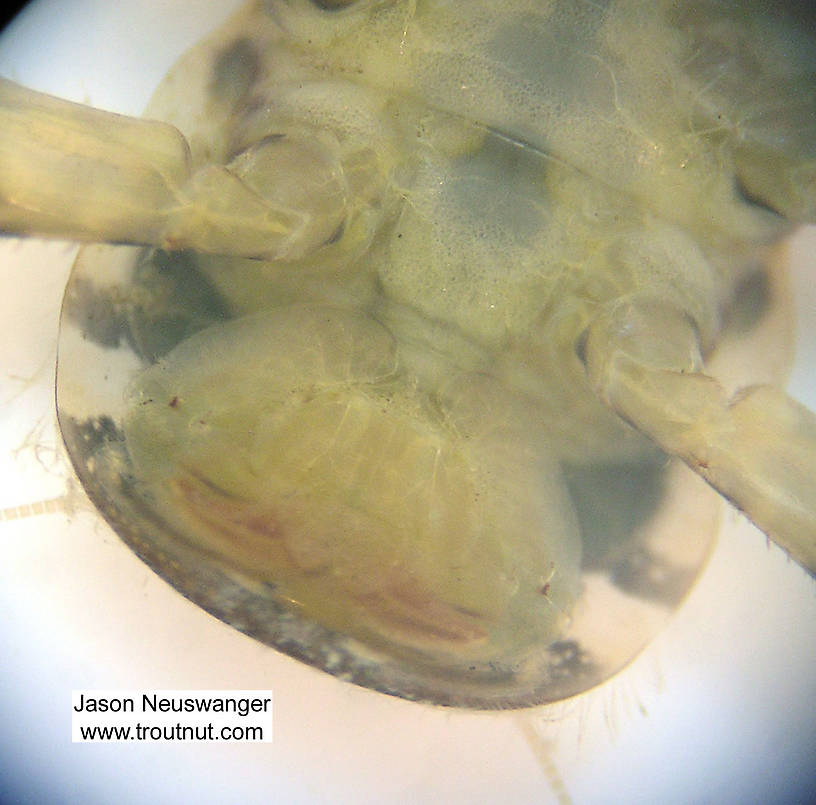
(423, 294)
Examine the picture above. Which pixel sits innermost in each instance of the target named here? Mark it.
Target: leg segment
(79, 173)
(757, 448)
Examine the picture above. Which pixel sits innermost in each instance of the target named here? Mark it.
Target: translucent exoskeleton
(480, 265)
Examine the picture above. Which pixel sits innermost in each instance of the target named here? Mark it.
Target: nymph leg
(757, 447)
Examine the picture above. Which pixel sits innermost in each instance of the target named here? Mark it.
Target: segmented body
(381, 451)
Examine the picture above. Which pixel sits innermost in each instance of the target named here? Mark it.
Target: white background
(719, 709)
